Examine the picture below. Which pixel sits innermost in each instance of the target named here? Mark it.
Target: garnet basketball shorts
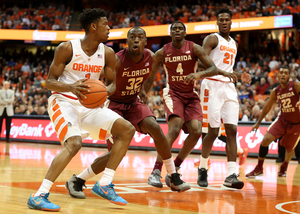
(134, 112)
(290, 133)
(184, 105)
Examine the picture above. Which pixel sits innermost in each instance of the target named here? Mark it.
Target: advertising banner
(38, 130)
(256, 23)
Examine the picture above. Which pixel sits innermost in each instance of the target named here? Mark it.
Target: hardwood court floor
(24, 165)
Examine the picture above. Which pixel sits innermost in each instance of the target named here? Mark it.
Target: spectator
(43, 111)
(246, 115)
(242, 62)
(273, 63)
(255, 113)
(256, 79)
(262, 87)
(157, 113)
(25, 67)
(30, 110)
(278, 11)
(285, 9)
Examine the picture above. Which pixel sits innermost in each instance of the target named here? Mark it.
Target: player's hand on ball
(78, 87)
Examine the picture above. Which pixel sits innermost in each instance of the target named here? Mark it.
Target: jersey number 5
(228, 57)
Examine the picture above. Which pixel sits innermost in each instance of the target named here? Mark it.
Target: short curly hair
(224, 10)
(89, 16)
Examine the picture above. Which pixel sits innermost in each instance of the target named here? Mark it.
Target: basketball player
(133, 66)
(221, 99)
(181, 102)
(74, 61)
(286, 125)
(242, 152)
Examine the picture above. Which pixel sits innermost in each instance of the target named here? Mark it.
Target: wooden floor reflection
(24, 165)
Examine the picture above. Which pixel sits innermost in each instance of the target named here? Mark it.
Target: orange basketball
(97, 94)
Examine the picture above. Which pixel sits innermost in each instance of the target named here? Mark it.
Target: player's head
(94, 20)
(136, 40)
(284, 74)
(224, 20)
(178, 31)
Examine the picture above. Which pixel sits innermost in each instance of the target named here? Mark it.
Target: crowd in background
(50, 17)
(54, 15)
(27, 72)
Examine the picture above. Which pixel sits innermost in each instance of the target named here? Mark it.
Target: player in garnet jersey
(182, 103)
(72, 121)
(133, 66)
(220, 98)
(286, 125)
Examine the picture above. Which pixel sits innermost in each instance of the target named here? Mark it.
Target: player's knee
(73, 145)
(267, 140)
(128, 131)
(231, 131)
(195, 133)
(153, 128)
(174, 132)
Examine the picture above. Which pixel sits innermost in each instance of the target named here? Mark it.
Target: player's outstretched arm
(110, 70)
(265, 110)
(62, 56)
(157, 62)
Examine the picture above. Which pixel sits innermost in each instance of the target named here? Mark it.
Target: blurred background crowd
(27, 71)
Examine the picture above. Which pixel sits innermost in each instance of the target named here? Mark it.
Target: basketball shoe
(202, 177)
(154, 179)
(108, 192)
(74, 186)
(243, 156)
(255, 172)
(232, 182)
(167, 180)
(176, 184)
(282, 171)
(41, 202)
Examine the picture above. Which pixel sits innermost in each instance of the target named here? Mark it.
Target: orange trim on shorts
(54, 108)
(63, 132)
(205, 125)
(54, 102)
(205, 99)
(73, 98)
(58, 125)
(205, 108)
(102, 134)
(204, 116)
(56, 115)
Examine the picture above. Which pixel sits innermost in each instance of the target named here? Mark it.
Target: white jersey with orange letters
(82, 66)
(69, 117)
(218, 95)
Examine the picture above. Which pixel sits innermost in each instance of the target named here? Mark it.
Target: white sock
(107, 177)
(203, 162)
(44, 188)
(231, 167)
(170, 166)
(240, 150)
(87, 173)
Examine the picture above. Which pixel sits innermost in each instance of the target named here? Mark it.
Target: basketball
(96, 96)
